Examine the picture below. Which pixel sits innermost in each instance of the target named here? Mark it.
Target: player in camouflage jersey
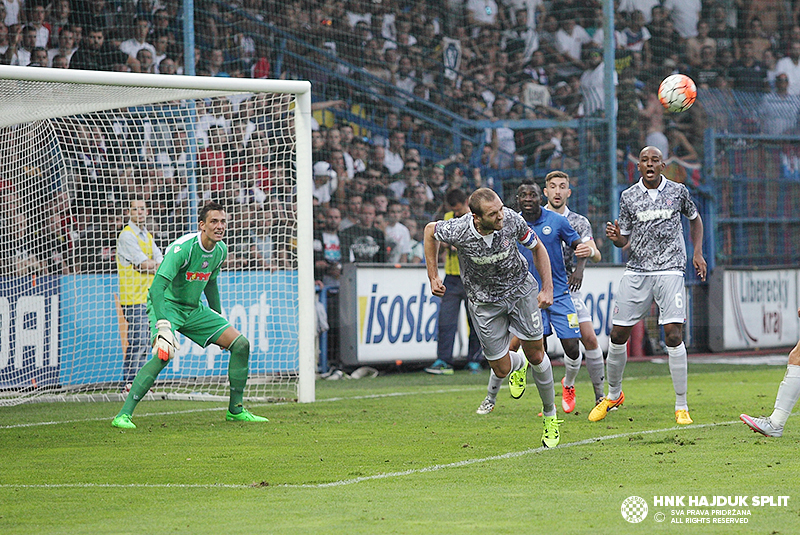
(558, 191)
(650, 221)
(190, 269)
(500, 294)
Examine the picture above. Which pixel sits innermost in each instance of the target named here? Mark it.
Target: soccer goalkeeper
(190, 268)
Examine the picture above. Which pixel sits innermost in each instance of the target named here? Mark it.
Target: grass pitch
(404, 453)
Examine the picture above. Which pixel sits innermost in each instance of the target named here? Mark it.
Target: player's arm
(614, 234)
(541, 262)
(582, 252)
(165, 343)
(432, 260)
(212, 295)
(696, 234)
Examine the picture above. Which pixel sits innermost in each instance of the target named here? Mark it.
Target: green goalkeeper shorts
(201, 325)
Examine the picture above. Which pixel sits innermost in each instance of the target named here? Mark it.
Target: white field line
(434, 468)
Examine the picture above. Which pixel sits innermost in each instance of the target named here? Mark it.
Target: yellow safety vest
(451, 266)
(133, 285)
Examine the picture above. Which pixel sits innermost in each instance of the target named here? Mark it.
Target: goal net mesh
(68, 174)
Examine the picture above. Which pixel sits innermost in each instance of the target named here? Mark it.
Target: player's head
(212, 222)
(456, 200)
(487, 210)
(556, 188)
(651, 163)
(138, 211)
(529, 199)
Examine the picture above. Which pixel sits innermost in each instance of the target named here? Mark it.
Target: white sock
(788, 393)
(596, 369)
(494, 385)
(572, 369)
(678, 369)
(517, 360)
(615, 362)
(543, 375)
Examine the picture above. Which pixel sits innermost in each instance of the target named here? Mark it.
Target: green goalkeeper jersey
(189, 268)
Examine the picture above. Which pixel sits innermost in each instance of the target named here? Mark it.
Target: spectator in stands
(779, 110)
(38, 57)
(761, 40)
(99, 16)
(398, 237)
(363, 242)
(435, 178)
(95, 54)
(140, 39)
(328, 249)
(11, 10)
(60, 62)
(637, 38)
(695, 45)
(666, 42)
(352, 211)
(410, 177)
(66, 45)
(790, 65)
(167, 66)
(685, 14)
(325, 183)
(21, 45)
(57, 18)
(395, 153)
(748, 73)
(570, 39)
(708, 71)
(420, 208)
(4, 43)
(501, 138)
(161, 45)
(722, 33)
(145, 59)
(36, 18)
(593, 85)
(645, 7)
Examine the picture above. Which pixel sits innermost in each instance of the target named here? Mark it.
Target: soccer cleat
(439, 367)
(123, 421)
(474, 367)
(551, 434)
(682, 417)
(762, 425)
(487, 406)
(244, 416)
(567, 397)
(601, 409)
(517, 381)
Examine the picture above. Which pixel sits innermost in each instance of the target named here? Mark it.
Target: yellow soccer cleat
(682, 417)
(601, 409)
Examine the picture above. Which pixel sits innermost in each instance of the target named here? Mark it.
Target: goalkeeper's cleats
(567, 397)
(244, 416)
(601, 409)
(762, 425)
(487, 406)
(682, 417)
(123, 421)
(517, 381)
(551, 435)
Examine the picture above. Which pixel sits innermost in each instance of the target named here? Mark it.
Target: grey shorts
(584, 314)
(637, 292)
(496, 322)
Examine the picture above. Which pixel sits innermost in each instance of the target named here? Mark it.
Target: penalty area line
(390, 475)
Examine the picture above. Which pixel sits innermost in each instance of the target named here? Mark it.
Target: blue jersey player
(561, 317)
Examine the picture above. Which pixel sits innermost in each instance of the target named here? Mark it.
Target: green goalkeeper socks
(237, 372)
(142, 383)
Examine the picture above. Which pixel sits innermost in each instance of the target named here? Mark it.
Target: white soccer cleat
(487, 406)
(762, 425)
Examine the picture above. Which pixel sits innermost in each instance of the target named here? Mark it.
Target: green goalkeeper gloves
(166, 344)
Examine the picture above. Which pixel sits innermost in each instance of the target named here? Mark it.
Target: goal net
(76, 148)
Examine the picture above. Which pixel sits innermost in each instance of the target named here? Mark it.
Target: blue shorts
(562, 317)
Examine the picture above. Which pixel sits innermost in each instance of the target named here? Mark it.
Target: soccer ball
(677, 93)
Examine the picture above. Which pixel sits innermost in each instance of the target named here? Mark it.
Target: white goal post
(76, 147)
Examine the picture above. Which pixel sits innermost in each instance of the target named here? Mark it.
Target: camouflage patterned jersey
(584, 230)
(654, 226)
(491, 266)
